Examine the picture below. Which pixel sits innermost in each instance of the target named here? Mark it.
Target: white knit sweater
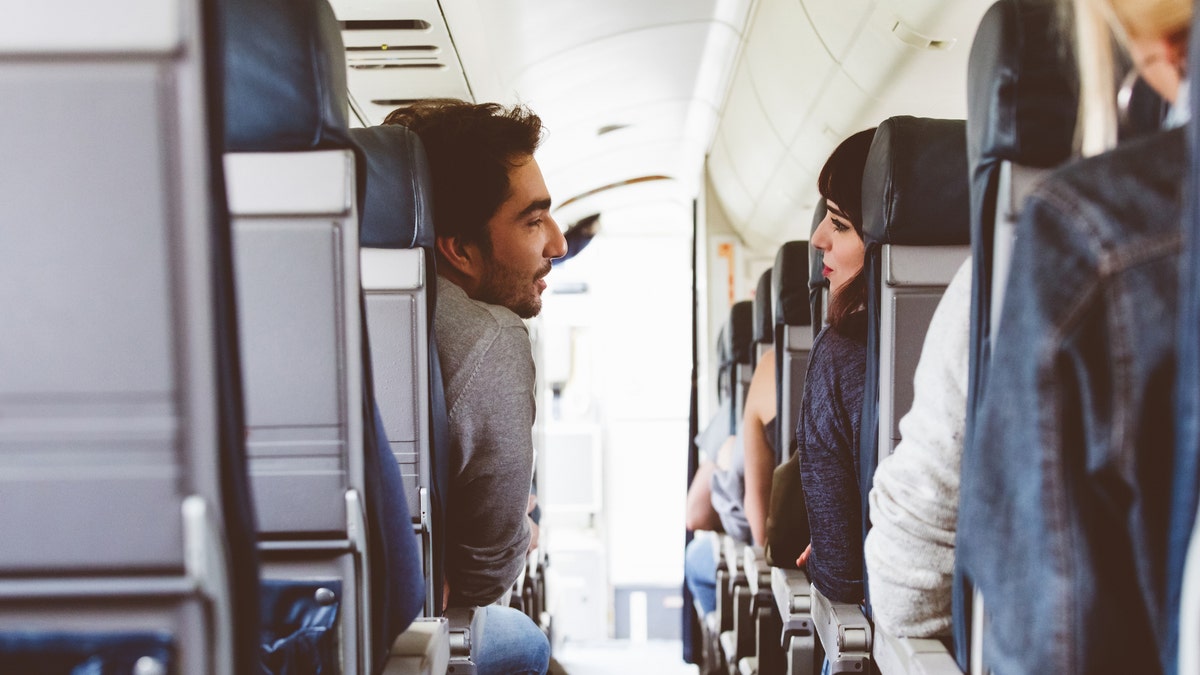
(909, 551)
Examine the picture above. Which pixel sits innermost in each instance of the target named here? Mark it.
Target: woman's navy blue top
(827, 436)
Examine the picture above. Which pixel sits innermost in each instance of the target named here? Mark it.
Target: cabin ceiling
(636, 94)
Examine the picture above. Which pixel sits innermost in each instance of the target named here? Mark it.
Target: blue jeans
(512, 644)
(700, 572)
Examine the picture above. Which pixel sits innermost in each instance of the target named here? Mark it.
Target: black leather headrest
(764, 324)
(397, 208)
(816, 257)
(915, 184)
(285, 76)
(1022, 92)
(741, 330)
(790, 284)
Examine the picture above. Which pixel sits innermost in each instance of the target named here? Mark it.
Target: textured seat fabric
(397, 213)
(285, 76)
(915, 193)
(397, 206)
(84, 654)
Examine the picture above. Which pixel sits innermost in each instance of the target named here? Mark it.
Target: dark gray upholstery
(285, 76)
(914, 186)
(764, 324)
(818, 285)
(793, 339)
(1021, 109)
(397, 207)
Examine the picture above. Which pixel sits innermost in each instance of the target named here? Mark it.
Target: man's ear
(464, 259)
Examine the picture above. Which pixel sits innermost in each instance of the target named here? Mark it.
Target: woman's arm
(827, 440)
(760, 455)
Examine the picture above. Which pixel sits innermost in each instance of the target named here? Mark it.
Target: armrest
(466, 629)
(793, 598)
(758, 572)
(423, 649)
(912, 656)
(844, 631)
(731, 553)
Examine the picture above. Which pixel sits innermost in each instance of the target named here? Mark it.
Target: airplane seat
(399, 283)
(818, 285)
(790, 290)
(1183, 546)
(310, 422)
(119, 400)
(763, 328)
(789, 587)
(1021, 110)
(916, 231)
(741, 347)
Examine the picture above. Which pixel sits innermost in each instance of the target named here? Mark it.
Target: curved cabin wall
(812, 72)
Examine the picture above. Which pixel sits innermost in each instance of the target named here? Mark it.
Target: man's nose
(556, 247)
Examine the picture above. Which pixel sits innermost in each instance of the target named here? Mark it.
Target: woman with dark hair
(828, 427)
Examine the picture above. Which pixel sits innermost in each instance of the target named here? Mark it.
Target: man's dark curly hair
(471, 148)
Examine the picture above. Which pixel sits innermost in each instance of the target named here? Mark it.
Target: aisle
(621, 657)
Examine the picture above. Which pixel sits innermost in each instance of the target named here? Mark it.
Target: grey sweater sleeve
(491, 420)
(914, 501)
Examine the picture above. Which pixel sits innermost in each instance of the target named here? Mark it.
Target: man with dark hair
(495, 240)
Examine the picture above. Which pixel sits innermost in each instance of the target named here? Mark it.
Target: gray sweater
(914, 501)
(487, 368)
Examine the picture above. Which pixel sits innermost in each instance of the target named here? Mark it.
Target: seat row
(221, 411)
(932, 189)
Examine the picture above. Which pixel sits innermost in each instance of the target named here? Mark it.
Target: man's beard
(509, 287)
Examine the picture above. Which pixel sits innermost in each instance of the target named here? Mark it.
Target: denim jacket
(1063, 518)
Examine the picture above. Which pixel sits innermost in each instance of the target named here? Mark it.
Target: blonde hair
(1098, 24)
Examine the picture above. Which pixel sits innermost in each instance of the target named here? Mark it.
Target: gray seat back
(741, 348)
(818, 285)
(1021, 109)
(112, 393)
(398, 281)
(917, 231)
(793, 340)
(292, 192)
(763, 330)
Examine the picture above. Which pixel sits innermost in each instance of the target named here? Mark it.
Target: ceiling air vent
(394, 102)
(380, 64)
(391, 24)
(426, 49)
(906, 34)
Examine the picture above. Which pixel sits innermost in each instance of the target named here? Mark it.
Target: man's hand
(533, 527)
(533, 535)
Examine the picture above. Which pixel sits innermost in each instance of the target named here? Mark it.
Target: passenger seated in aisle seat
(758, 431)
(1072, 463)
(914, 499)
(495, 240)
(700, 557)
(827, 431)
(730, 490)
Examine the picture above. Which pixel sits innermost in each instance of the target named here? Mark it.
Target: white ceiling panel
(735, 198)
(780, 209)
(786, 62)
(838, 22)
(755, 150)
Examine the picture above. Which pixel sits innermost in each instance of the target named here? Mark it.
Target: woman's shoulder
(848, 340)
